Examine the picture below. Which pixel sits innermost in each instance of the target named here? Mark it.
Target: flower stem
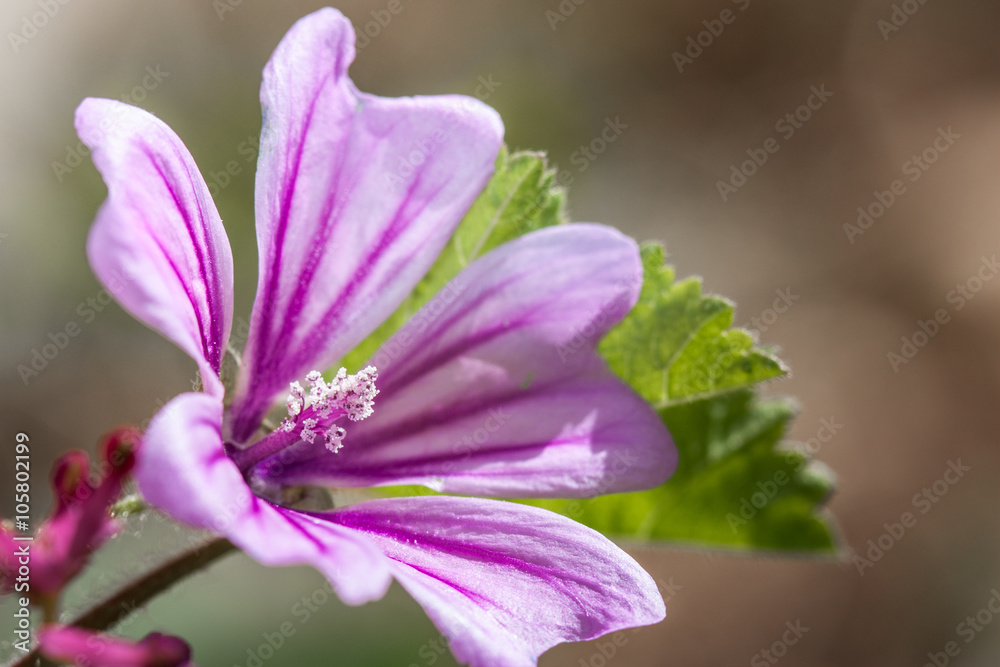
(124, 602)
(140, 591)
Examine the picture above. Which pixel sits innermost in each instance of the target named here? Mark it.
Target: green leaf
(676, 345)
(736, 486)
(678, 350)
(522, 196)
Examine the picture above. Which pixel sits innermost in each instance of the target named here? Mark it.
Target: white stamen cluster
(353, 395)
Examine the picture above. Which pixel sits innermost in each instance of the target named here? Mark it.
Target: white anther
(335, 438)
(296, 399)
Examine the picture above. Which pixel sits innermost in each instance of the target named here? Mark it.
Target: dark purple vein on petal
(270, 291)
(215, 323)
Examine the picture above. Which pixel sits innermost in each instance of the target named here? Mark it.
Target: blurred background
(693, 87)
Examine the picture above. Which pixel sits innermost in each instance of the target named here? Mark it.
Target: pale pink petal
(356, 196)
(505, 582)
(158, 244)
(495, 387)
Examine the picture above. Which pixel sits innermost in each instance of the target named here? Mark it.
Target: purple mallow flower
(86, 648)
(356, 195)
(80, 522)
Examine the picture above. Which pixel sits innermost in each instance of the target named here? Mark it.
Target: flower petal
(158, 244)
(351, 562)
(182, 468)
(495, 388)
(356, 197)
(505, 582)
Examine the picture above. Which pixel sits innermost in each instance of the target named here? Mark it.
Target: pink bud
(77, 646)
(81, 521)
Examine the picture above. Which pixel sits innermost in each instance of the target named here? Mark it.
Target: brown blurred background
(556, 83)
